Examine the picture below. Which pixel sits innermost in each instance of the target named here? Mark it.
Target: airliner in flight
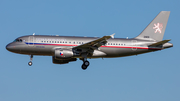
(65, 49)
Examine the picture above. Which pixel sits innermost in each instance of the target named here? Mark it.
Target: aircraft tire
(86, 63)
(84, 67)
(30, 63)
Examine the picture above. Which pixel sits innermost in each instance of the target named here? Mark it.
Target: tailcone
(167, 45)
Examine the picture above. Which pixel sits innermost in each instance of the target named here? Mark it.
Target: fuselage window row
(107, 44)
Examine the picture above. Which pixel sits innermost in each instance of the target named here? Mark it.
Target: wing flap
(95, 43)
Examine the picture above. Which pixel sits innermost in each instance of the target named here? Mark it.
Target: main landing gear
(85, 64)
(30, 62)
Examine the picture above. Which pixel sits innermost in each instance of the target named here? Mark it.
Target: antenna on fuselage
(33, 33)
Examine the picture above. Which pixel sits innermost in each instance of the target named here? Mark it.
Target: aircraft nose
(9, 47)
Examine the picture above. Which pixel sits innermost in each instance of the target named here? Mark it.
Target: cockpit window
(18, 40)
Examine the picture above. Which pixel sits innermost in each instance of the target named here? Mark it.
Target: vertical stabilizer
(155, 30)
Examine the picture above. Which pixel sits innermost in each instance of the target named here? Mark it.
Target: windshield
(17, 40)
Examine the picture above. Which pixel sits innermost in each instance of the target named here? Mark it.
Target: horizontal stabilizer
(159, 43)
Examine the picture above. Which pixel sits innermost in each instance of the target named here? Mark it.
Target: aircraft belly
(43, 50)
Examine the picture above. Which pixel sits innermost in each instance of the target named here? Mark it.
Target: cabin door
(134, 45)
(31, 41)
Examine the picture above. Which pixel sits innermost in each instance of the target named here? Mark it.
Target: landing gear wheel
(31, 58)
(30, 63)
(86, 63)
(84, 67)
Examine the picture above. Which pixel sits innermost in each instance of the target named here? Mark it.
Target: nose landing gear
(30, 62)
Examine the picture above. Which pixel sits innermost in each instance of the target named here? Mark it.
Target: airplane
(65, 49)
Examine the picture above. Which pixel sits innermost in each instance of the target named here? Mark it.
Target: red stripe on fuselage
(103, 46)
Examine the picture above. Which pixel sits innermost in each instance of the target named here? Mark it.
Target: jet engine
(63, 54)
(63, 61)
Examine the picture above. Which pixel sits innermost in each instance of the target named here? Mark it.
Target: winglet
(112, 36)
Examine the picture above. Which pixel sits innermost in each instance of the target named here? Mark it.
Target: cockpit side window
(17, 40)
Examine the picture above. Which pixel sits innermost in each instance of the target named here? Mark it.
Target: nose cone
(10, 47)
(14, 47)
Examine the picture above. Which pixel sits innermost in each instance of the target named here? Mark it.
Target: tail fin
(155, 30)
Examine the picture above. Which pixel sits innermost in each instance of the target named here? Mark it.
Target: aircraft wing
(95, 44)
(159, 43)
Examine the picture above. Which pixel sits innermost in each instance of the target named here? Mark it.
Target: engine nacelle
(63, 54)
(63, 61)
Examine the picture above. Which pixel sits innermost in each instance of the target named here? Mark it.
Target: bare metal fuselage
(46, 45)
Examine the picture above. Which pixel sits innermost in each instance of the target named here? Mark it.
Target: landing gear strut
(85, 64)
(30, 62)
